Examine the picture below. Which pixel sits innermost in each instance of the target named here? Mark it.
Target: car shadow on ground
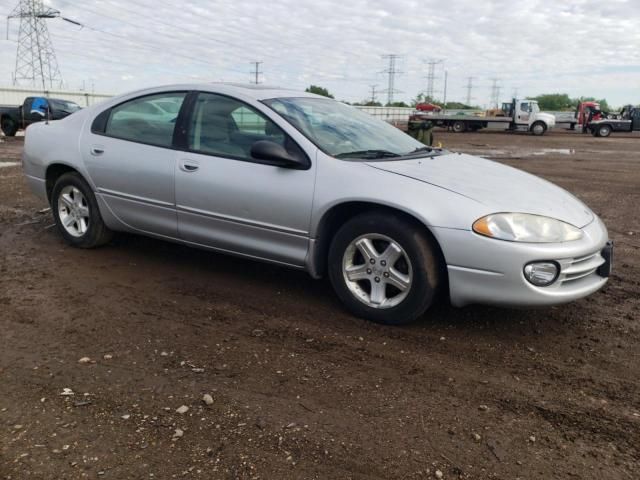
(302, 291)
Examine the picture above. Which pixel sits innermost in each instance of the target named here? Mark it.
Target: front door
(130, 157)
(230, 201)
(635, 119)
(523, 112)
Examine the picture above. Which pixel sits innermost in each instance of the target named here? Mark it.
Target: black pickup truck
(34, 109)
(628, 120)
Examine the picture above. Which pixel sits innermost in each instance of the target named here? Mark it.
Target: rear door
(130, 157)
(228, 200)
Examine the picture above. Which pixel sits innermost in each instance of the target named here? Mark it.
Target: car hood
(500, 187)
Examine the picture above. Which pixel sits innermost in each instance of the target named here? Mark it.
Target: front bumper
(489, 271)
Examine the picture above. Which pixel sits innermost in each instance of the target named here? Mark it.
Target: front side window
(343, 131)
(143, 120)
(227, 127)
(524, 107)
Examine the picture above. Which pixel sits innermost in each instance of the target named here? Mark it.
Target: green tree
(318, 91)
(554, 101)
(562, 101)
(367, 103)
(423, 98)
(397, 104)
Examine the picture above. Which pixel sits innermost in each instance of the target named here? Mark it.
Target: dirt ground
(299, 388)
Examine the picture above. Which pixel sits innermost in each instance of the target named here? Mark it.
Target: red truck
(587, 112)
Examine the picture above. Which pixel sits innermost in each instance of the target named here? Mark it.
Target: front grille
(572, 269)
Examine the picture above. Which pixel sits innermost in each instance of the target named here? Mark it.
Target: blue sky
(579, 47)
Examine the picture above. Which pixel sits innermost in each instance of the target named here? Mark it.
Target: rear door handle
(189, 166)
(97, 150)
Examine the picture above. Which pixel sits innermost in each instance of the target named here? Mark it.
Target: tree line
(547, 101)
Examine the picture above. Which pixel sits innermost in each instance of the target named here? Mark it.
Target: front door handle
(189, 166)
(97, 150)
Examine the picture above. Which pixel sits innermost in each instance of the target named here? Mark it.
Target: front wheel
(384, 268)
(538, 128)
(76, 212)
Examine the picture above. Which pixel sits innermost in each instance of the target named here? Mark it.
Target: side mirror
(276, 154)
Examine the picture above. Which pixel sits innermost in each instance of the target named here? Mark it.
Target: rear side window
(150, 119)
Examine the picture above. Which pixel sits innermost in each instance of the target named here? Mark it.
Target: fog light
(541, 274)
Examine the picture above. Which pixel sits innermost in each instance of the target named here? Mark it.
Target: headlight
(524, 227)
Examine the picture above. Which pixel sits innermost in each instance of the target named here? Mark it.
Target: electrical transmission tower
(469, 88)
(373, 93)
(495, 92)
(431, 77)
(391, 71)
(36, 63)
(255, 74)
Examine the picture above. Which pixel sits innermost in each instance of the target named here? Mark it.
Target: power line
(256, 72)
(391, 72)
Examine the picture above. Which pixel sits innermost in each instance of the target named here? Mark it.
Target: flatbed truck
(519, 115)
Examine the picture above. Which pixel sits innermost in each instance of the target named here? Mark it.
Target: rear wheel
(76, 212)
(9, 126)
(459, 126)
(604, 131)
(384, 268)
(538, 128)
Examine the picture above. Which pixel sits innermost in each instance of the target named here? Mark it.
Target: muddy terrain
(105, 356)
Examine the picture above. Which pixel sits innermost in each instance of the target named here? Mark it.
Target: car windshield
(343, 131)
(64, 105)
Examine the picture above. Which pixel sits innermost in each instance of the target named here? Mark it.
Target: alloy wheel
(73, 211)
(377, 271)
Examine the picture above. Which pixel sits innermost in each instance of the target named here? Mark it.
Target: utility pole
(391, 71)
(444, 102)
(36, 63)
(256, 73)
(469, 88)
(431, 76)
(373, 93)
(495, 92)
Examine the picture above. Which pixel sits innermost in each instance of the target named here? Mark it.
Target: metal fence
(16, 95)
(389, 114)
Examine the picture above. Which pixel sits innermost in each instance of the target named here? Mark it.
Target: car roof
(256, 92)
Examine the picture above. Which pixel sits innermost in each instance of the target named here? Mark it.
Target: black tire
(459, 127)
(97, 233)
(9, 126)
(538, 128)
(604, 131)
(421, 250)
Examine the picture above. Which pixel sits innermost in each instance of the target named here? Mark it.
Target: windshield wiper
(420, 150)
(368, 154)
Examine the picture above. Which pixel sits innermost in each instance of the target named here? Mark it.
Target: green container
(421, 130)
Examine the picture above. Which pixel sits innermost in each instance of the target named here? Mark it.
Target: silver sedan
(307, 182)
